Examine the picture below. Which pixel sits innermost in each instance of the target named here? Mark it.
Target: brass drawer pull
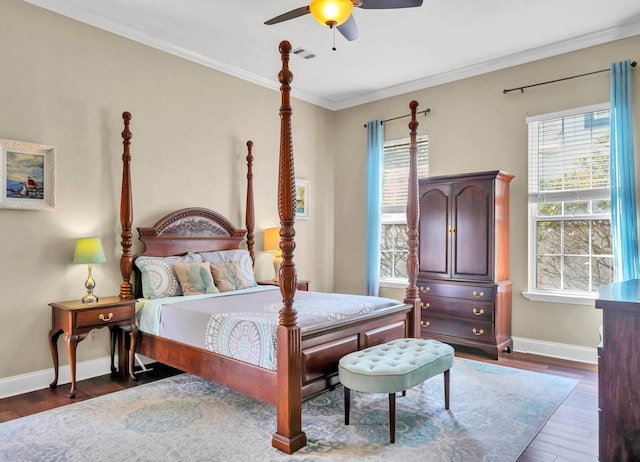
(425, 305)
(107, 319)
(478, 332)
(425, 289)
(478, 313)
(478, 295)
(425, 324)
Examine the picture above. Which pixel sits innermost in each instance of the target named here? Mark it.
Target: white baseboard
(556, 350)
(38, 380)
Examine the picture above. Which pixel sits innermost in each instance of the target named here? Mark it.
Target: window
(569, 202)
(393, 244)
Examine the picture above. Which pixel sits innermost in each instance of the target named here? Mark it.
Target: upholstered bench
(393, 367)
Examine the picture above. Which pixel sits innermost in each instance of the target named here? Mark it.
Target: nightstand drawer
(103, 316)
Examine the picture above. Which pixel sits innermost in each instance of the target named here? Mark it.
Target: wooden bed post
(289, 436)
(126, 213)
(250, 220)
(412, 296)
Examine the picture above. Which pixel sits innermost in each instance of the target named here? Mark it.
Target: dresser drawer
(466, 291)
(462, 328)
(103, 316)
(479, 310)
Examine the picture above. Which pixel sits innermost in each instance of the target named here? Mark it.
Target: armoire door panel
(472, 215)
(434, 232)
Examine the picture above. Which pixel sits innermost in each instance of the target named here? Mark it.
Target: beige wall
(66, 84)
(473, 126)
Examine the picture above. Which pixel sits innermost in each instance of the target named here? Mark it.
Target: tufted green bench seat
(392, 367)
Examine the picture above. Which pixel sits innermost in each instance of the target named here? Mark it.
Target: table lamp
(89, 251)
(272, 244)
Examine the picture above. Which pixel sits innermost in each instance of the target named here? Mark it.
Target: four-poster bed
(306, 354)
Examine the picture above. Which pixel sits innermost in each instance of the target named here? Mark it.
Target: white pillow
(158, 278)
(240, 256)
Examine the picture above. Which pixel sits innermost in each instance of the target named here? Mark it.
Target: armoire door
(434, 230)
(472, 217)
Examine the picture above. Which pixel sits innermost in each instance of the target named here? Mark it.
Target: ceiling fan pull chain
(334, 38)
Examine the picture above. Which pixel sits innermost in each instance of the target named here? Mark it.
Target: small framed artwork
(28, 175)
(302, 199)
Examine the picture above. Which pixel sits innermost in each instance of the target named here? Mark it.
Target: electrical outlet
(93, 336)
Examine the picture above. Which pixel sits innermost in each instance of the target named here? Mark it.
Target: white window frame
(399, 217)
(549, 295)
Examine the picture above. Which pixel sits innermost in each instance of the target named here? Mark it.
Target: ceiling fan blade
(289, 15)
(389, 4)
(349, 29)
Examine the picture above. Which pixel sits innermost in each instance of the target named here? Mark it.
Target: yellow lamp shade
(331, 12)
(272, 240)
(88, 250)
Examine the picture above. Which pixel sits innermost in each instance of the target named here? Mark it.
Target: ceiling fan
(337, 13)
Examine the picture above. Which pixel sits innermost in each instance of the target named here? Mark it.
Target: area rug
(495, 412)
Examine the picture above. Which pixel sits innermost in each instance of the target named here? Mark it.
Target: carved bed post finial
(289, 436)
(286, 194)
(412, 296)
(250, 220)
(126, 212)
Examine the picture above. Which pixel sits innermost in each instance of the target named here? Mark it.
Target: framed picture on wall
(28, 175)
(302, 199)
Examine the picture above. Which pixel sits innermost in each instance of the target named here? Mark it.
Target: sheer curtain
(624, 221)
(375, 157)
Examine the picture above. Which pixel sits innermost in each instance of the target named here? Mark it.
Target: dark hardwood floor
(570, 435)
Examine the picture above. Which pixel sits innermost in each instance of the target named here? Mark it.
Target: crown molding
(82, 12)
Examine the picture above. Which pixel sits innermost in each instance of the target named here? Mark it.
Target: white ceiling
(397, 50)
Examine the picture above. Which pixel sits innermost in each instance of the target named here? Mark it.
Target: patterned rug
(495, 412)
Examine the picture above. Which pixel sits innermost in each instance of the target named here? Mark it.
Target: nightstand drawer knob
(478, 295)
(425, 305)
(425, 324)
(425, 289)
(107, 319)
(478, 312)
(478, 332)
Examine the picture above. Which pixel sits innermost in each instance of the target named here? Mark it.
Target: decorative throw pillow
(228, 276)
(195, 278)
(240, 256)
(158, 278)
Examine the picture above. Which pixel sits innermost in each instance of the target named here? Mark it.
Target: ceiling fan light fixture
(331, 12)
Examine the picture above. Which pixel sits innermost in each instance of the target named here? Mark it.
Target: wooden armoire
(463, 278)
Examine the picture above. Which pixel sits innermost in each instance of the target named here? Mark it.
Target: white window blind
(396, 172)
(569, 155)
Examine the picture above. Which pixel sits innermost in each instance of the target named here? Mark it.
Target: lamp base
(89, 298)
(277, 261)
(89, 285)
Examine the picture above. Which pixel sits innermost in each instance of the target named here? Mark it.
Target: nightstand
(75, 319)
(301, 285)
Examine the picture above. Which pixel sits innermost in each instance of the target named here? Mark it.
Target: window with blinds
(393, 245)
(569, 201)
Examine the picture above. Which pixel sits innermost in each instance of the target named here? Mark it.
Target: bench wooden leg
(392, 417)
(347, 404)
(446, 388)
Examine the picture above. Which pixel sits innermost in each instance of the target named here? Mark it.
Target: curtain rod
(425, 112)
(507, 90)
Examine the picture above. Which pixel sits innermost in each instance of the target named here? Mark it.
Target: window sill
(571, 299)
(397, 284)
